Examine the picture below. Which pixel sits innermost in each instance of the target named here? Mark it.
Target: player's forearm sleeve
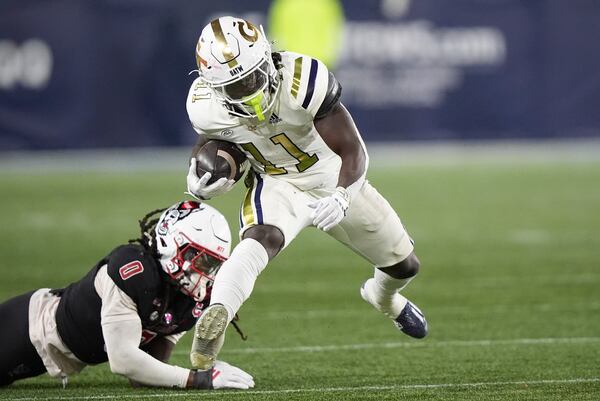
(122, 331)
(125, 358)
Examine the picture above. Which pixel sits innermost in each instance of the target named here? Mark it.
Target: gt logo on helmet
(235, 63)
(250, 38)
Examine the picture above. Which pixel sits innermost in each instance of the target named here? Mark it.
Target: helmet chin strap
(255, 103)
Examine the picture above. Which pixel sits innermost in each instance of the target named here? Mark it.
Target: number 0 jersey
(287, 146)
(162, 309)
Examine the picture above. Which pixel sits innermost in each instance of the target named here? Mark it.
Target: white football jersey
(287, 147)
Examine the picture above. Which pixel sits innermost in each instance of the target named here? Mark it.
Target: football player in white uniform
(308, 169)
(130, 309)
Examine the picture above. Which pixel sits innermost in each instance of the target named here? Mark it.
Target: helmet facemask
(192, 241)
(234, 59)
(197, 269)
(253, 94)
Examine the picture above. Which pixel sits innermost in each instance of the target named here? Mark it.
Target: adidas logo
(274, 119)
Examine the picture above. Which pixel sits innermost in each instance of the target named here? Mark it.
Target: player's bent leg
(382, 291)
(373, 229)
(270, 237)
(232, 287)
(405, 269)
(235, 281)
(18, 357)
(410, 320)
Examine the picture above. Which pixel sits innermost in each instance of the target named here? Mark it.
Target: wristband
(202, 379)
(352, 189)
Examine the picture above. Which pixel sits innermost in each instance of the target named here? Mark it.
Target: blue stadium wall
(114, 73)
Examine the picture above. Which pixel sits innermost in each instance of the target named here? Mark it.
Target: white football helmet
(234, 59)
(193, 240)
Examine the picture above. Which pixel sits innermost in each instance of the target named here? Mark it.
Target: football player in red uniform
(130, 309)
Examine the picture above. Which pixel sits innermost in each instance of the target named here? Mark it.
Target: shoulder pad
(306, 80)
(332, 97)
(207, 115)
(134, 271)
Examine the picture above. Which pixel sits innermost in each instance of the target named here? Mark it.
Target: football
(221, 159)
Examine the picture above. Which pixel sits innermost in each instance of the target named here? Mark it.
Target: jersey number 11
(305, 160)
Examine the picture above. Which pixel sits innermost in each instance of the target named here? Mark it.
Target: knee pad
(405, 269)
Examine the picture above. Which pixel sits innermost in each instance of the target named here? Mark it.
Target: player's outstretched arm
(160, 349)
(125, 358)
(122, 331)
(122, 340)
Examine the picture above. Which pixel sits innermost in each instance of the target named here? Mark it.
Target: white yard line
(412, 344)
(434, 386)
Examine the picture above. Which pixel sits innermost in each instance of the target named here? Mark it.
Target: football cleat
(410, 320)
(208, 336)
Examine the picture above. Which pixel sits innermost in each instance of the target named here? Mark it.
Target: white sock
(235, 280)
(385, 290)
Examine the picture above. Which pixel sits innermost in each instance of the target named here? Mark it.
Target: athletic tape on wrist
(202, 379)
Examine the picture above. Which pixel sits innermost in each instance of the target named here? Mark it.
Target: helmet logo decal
(222, 43)
(176, 214)
(254, 32)
(189, 205)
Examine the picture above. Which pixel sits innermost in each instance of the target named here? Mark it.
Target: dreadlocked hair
(148, 235)
(235, 324)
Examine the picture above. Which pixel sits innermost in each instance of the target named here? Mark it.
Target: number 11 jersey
(286, 144)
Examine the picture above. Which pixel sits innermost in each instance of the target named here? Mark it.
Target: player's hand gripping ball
(215, 168)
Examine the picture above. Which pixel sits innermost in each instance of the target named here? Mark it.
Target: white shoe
(208, 337)
(409, 320)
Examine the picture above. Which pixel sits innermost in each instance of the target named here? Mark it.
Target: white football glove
(225, 375)
(329, 211)
(196, 186)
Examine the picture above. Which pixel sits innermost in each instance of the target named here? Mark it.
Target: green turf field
(509, 283)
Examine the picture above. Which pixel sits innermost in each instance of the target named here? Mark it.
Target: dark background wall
(114, 73)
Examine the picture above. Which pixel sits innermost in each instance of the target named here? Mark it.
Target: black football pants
(18, 357)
